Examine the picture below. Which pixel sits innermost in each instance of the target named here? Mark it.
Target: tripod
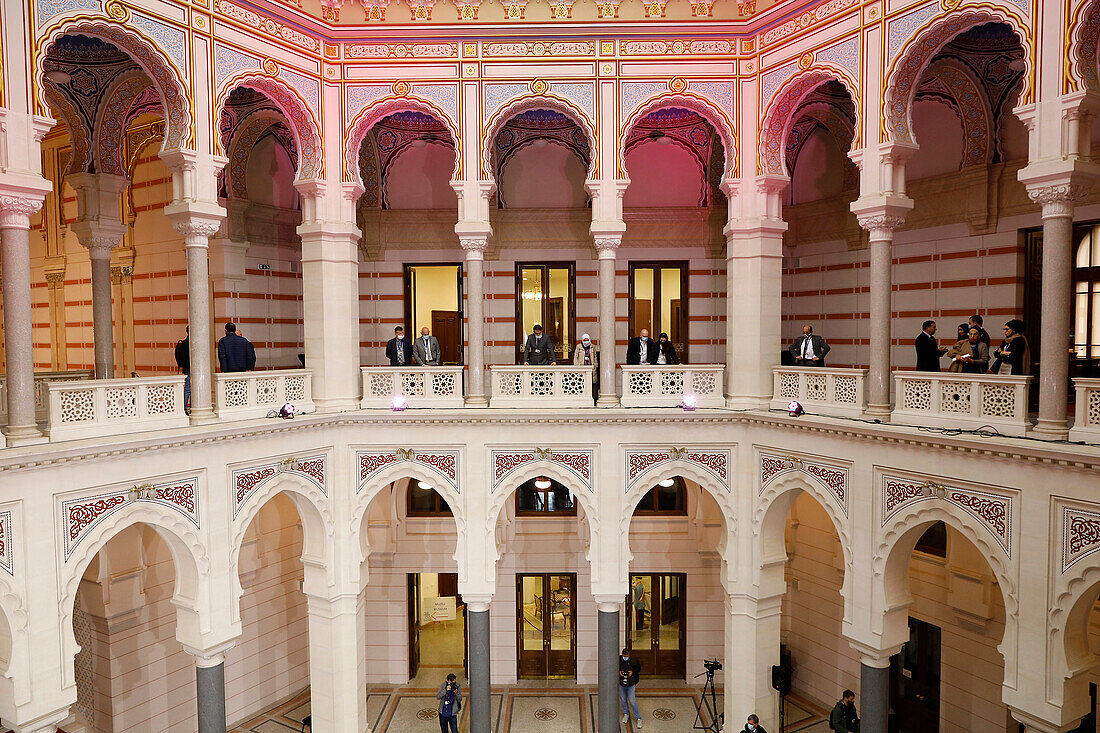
(782, 713)
(707, 716)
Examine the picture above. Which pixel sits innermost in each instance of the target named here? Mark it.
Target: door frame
(521, 336)
(546, 630)
(680, 671)
(685, 314)
(406, 290)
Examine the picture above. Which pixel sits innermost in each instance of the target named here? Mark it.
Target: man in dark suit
(399, 348)
(539, 350)
(642, 349)
(235, 352)
(809, 350)
(426, 349)
(928, 351)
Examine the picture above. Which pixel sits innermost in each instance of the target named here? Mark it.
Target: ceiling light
(58, 77)
(664, 140)
(542, 483)
(667, 483)
(540, 142)
(419, 143)
(425, 486)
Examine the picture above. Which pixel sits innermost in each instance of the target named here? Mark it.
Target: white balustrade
(41, 394)
(649, 385)
(968, 401)
(837, 392)
(417, 386)
(86, 409)
(534, 387)
(248, 395)
(1086, 425)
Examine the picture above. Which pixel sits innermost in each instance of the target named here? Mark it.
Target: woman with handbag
(1013, 355)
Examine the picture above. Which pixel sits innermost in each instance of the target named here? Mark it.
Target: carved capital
(16, 211)
(196, 232)
(99, 244)
(55, 279)
(474, 246)
(607, 244)
(881, 225)
(1057, 200)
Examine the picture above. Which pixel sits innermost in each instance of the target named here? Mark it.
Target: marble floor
(530, 707)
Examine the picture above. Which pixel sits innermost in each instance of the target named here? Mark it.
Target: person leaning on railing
(976, 359)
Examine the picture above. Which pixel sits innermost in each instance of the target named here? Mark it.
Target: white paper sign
(441, 608)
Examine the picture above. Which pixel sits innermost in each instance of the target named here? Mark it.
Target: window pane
(641, 593)
(670, 613)
(561, 617)
(670, 498)
(670, 306)
(1094, 237)
(559, 498)
(1081, 321)
(529, 499)
(532, 612)
(1094, 345)
(531, 299)
(643, 300)
(1084, 249)
(558, 315)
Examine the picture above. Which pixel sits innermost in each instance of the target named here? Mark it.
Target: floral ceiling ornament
(677, 84)
(271, 68)
(118, 11)
(402, 88)
(539, 86)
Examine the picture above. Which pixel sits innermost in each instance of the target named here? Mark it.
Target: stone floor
(559, 707)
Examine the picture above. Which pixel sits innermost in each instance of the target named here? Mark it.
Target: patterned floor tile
(528, 713)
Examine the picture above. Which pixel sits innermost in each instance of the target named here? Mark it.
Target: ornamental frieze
(445, 463)
(577, 462)
(245, 481)
(1080, 535)
(833, 477)
(993, 511)
(713, 461)
(7, 543)
(79, 515)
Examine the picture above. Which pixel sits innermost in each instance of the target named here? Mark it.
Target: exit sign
(264, 266)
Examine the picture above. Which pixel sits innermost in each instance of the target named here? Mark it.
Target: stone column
(55, 284)
(874, 688)
(477, 619)
(751, 648)
(337, 662)
(881, 228)
(15, 264)
(1057, 305)
(608, 665)
(210, 688)
(474, 247)
(606, 247)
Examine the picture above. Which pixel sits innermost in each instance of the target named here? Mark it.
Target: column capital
(478, 602)
(870, 656)
(211, 657)
(16, 210)
(881, 214)
(607, 245)
(609, 602)
(196, 228)
(98, 240)
(474, 245)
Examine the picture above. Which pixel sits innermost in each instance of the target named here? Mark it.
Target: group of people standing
(972, 352)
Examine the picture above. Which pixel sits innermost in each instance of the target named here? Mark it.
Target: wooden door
(657, 623)
(915, 680)
(414, 624)
(546, 617)
(447, 327)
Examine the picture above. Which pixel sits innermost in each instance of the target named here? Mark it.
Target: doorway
(658, 293)
(546, 623)
(545, 294)
(915, 680)
(657, 623)
(438, 643)
(433, 298)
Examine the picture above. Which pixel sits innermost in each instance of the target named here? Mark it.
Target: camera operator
(752, 725)
(629, 670)
(450, 703)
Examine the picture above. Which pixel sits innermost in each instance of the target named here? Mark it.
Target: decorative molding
(1080, 535)
(79, 515)
(804, 21)
(445, 463)
(579, 463)
(7, 542)
(832, 476)
(246, 480)
(715, 462)
(1057, 199)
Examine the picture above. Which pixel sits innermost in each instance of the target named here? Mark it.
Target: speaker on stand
(781, 683)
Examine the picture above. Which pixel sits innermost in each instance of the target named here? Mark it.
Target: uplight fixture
(795, 409)
(542, 483)
(689, 402)
(399, 403)
(667, 483)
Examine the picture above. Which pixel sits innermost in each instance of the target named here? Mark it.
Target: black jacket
(759, 729)
(634, 351)
(236, 354)
(928, 353)
(407, 351)
(629, 670)
(843, 718)
(539, 350)
(183, 355)
(670, 352)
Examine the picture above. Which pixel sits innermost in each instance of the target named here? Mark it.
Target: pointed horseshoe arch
(907, 68)
(374, 113)
(299, 117)
(686, 100)
(167, 79)
(525, 104)
(110, 121)
(781, 110)
(372, 486)
(1084, 40)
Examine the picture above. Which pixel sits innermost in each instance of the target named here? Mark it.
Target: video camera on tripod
(707, 716)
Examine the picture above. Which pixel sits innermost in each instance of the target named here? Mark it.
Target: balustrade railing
(85, 409)
(969, 401)
(1086, 423)
(838, 392)
(41, 395)
(247, 395)
(649, 385)
(413, 386)
(541, 386)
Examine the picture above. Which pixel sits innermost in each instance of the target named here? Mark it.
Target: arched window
(543, 496)
(668, 497)
(424, 501)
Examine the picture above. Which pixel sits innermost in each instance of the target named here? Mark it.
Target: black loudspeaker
(781, 673)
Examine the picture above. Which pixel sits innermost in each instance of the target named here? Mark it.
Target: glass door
(545, 295)
(546, 622)
(658, 302)
(656, 623)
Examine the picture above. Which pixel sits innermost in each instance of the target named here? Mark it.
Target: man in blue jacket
(235, 353)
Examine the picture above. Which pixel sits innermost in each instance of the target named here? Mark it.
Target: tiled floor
(559, 707)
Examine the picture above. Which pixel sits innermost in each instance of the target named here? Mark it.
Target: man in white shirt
(808, 349)
(426, 349)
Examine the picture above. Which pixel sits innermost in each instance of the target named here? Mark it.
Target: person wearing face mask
(586, 354)
(666, 352)
(629, 670)
(753, 725)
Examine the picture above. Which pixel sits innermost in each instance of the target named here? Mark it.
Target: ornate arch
(189, 555)
(917, 53)
(13, 616)
(703, 107)
(811, 116)
(167, 79)
(782, 109)
(551, 469)
(111, 120)
(643, 482)
(1084, 69)
(378, 480)
(361, 126)
(383, 174)
(313, 509)
(244, 138)
(524, 104)
(973, 108)
(79, 134)
(301, 121)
